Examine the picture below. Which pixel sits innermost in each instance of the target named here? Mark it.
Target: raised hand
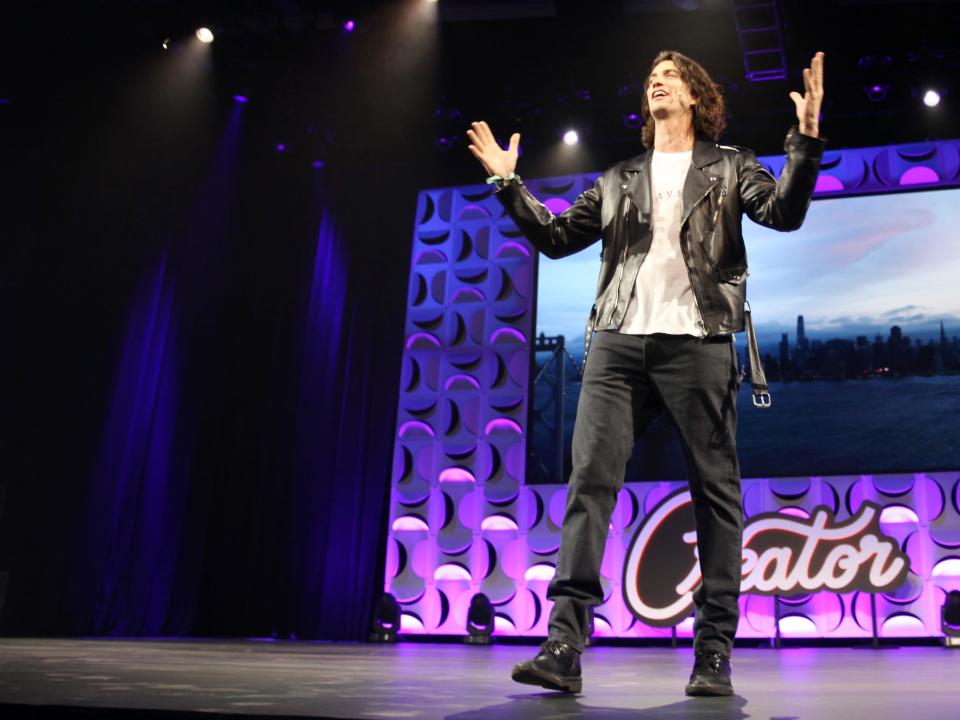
(808, 105)
(494, 158)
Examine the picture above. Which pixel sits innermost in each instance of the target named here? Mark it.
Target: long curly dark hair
(708, 114)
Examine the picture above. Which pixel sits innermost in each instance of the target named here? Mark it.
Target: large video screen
(857, 317)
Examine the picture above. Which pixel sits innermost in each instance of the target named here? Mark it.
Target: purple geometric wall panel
(462, 520)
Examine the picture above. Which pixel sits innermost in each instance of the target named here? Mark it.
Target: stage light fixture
(480, 620)
(386, 620)
(205, 35)
(950, 619)
(242, 99)
(632, 120)
(931, 98)
(876, 92)
(570, 137)
(165, 44)
(280, 147)
(350, 26)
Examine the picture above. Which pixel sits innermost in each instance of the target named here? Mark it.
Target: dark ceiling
(407, 78)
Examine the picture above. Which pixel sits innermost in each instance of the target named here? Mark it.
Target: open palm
(494, 158)
(808, 104)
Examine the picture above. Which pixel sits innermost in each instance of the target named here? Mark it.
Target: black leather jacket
(723, 183)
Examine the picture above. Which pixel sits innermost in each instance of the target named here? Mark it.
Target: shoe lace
(714, 660)
(557, 647)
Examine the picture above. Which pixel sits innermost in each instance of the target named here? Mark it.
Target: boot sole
(708, 690)
(549, 681)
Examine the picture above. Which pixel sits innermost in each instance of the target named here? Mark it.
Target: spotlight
(205, 35)
(165, 44)
(632, 120)
(445, 144)
(280, 147)
(931, 98)
(570, 137)
(350, 26)
(242, 99)
(386, 620)
(479, 620)
(876, 93)
(950, 619)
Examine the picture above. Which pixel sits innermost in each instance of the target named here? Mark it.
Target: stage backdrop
(464, 520)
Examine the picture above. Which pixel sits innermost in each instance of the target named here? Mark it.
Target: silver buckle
(762, 400)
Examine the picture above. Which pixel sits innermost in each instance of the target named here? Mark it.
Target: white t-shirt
(662, 300)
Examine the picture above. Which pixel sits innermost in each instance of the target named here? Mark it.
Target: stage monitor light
(480, 620)
(950, 619)
(205, 35)
(570, 137)
(386, 620)
(931, 98)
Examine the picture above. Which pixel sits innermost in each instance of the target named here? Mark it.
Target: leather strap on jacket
(758, 380)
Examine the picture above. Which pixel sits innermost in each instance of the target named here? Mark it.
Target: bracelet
(501, 182)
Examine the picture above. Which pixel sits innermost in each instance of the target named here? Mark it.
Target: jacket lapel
(699, 180)
(636, 184)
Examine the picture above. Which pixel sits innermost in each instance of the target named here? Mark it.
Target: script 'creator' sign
(782, 555)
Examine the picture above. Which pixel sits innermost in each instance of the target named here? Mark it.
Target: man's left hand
(808, 105)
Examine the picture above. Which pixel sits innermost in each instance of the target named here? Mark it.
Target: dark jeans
(627, 381)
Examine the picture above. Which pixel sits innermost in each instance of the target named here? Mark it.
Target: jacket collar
(705, 153)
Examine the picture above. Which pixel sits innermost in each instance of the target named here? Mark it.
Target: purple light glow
(432, 339)
(898, 514)
(456, 474)
(540, 571)
(410, 522)
(827, 183)
(902, 625)
(557, 205)
(452, 571)
(512, 246)
(508, 332)
(317, 164)
(948, 567)
(798, 626)
(794, 512)
(467, 295)
(414, 425)
(410, 623)
(350, 26)
(918, 175)
(242, 99)
(461, 379)
(498, 522)
(280, 147)
(502, 424)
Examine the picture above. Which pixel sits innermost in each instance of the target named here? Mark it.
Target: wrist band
(500, 182)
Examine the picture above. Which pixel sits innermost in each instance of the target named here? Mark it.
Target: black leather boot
(711, 675)
(556, 667)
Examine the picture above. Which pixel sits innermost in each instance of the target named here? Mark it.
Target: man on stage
(669, 298)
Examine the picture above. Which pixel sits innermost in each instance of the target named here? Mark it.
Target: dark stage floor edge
(246, 678)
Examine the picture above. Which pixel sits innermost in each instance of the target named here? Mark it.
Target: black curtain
(200, 370)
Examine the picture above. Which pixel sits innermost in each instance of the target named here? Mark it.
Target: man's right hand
(495, 160)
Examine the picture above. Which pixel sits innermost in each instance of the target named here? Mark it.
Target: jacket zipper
(686, 259)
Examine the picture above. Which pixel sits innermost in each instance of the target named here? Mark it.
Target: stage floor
(426, 681)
